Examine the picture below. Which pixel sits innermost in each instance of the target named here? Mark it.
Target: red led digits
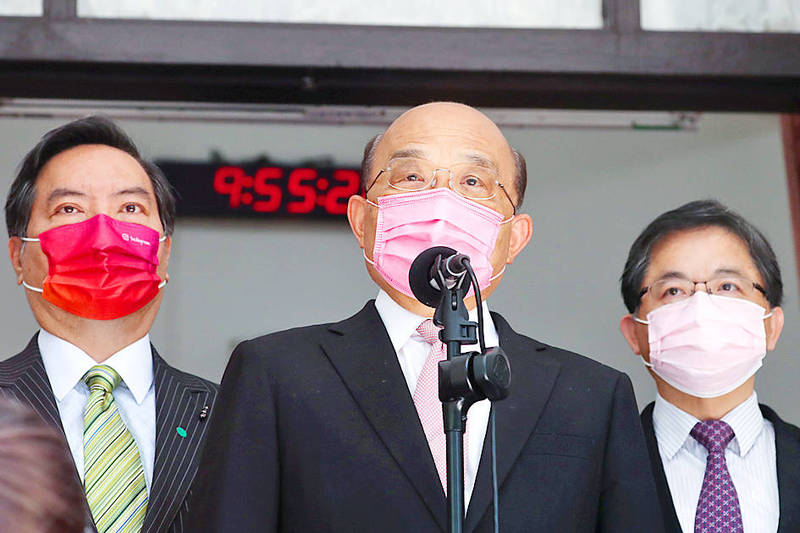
(352, 181)
(295, 191)
(270, 193)
(230, 180)
(307, 192)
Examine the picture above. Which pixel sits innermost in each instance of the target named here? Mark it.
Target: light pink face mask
(706, 345)
(410, 223)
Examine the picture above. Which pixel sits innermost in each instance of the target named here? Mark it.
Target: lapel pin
(204, 412)
(180, 431)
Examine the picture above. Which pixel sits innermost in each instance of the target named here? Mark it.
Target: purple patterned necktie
(718, 507)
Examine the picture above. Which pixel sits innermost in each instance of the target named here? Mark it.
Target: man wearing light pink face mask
(338, 427)
(703, 288)
(90, 231)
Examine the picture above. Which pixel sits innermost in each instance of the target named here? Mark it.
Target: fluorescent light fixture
(331, 114)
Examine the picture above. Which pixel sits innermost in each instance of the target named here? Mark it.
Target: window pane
(21, 8)
(578, 14)
(721, 15)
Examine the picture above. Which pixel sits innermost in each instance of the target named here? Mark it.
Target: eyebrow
(137, 191)
(728, 270)
(58, 194)
(410, 153)
(481, 160)
(718, 272)
(674, 274)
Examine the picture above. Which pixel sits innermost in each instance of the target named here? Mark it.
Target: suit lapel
(364, 357)
(179, 400)
(27, 379)
(516, 416)
(787, 454)
(671, 522)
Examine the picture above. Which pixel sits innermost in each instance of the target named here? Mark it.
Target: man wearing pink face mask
(338, 427)
(90, 225)
(703, 288)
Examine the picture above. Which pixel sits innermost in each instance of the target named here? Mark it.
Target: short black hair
(694, 215)
(520, 168)
(88, 130)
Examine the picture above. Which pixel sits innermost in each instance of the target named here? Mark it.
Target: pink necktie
(718, 507)
(426, 400)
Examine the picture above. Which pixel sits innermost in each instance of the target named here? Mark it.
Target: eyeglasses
(471, 181)
(671, 290)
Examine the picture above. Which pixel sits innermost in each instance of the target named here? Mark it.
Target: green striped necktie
(114, 478)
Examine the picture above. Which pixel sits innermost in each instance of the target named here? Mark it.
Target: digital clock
(257, 190)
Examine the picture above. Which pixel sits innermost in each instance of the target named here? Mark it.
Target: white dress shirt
(750, 457)
(412, 351)
(135, 396)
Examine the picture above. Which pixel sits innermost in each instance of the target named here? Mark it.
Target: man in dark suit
(334, 427)
(703, 288)
(90, 225)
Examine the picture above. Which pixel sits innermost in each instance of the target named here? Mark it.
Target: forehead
(447, 134)
(92, 169)
(700, 254)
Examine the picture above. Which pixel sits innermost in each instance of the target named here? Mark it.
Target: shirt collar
(66, 364)
(747, 423)
(401, 324)
(673, 425)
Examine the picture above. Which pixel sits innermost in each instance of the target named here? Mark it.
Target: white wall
(590, 193)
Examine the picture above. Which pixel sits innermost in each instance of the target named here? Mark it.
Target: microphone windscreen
(419, 275)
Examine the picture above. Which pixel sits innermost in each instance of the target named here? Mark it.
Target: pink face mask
(410, 223)
(706, 345)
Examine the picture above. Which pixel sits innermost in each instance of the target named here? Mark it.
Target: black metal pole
(454, 435)
(455, 393)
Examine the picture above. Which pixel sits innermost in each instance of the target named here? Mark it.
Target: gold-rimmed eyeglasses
(472, 181)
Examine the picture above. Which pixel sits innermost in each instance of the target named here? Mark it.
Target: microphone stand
(455, 390)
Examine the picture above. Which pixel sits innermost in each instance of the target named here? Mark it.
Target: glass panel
(721, 15)
(577, 14)
(21, 8)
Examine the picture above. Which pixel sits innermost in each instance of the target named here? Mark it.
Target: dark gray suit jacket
(787, 452)
(315, 430)
(180, 398)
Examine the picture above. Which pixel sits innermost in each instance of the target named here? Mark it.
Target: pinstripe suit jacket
(180, 397)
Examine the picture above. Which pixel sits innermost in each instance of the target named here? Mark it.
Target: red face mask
(100, 268)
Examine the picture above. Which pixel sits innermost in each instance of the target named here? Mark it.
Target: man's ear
(521, 234)
(628, 328)
(356, 211)
(14, 253)
(774, 326)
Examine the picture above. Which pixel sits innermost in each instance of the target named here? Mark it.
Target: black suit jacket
(180, 397)
(787, 455)
(315, 430)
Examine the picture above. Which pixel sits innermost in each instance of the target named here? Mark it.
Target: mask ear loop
(164, 282)
(498, 274)
(31, 288)
(367, 259)
(24, 284)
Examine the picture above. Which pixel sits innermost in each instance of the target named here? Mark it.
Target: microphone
(425, 272)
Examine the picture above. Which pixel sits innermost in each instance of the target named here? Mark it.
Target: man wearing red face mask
(338, 427)
(703, 288)
(90, 225)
